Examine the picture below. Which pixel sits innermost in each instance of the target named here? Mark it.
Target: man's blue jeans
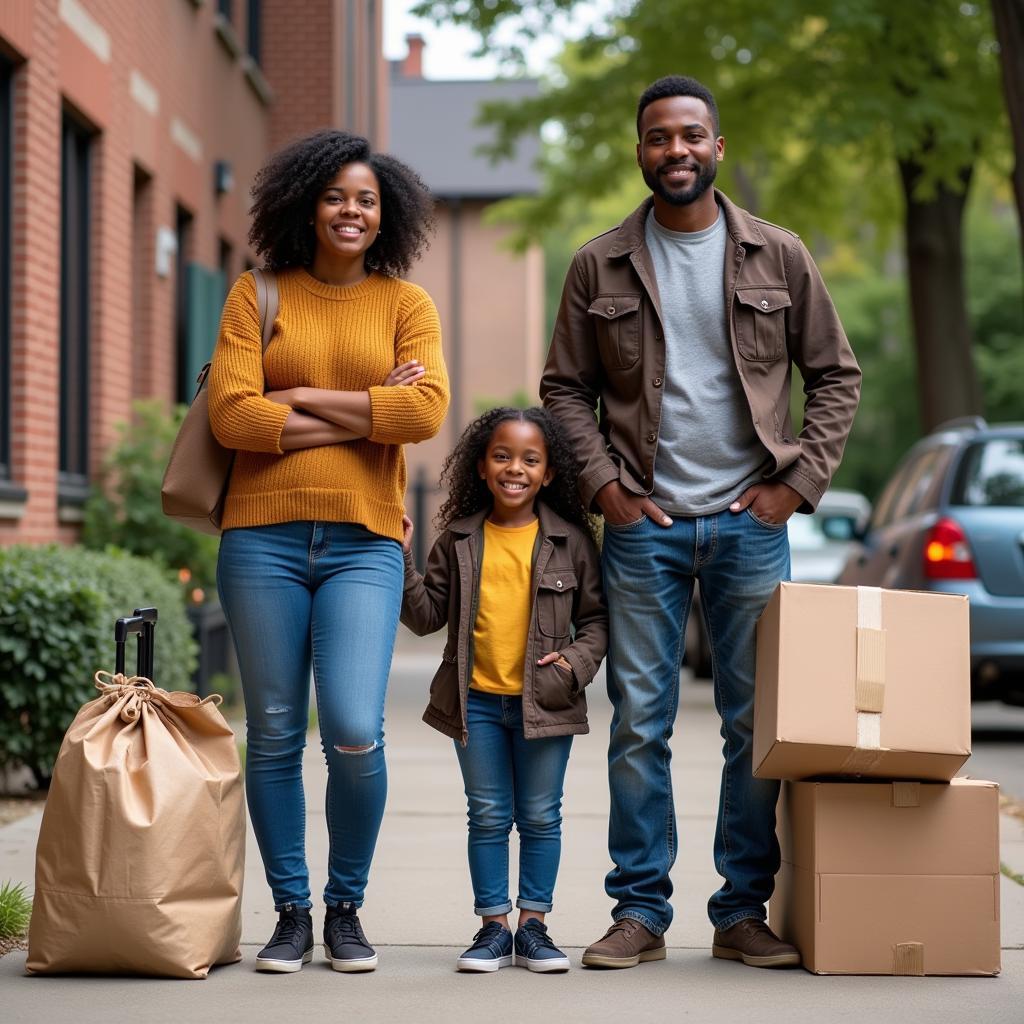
(326, 597)
(511, 779)
(648, 576)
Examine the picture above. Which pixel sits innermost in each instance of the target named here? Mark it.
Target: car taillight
(947, 555)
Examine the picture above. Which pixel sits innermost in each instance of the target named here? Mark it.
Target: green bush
(57, 612)
(125, 511)
(228, 687)
(15, 911)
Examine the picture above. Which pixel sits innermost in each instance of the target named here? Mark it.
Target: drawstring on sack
(139, 690)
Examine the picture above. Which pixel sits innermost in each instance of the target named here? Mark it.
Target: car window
(991, 473)
(921, 474)
(839, 527)
(883, 509)
(906, 488)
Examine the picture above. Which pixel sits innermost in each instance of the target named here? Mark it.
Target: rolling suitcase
(141, 852)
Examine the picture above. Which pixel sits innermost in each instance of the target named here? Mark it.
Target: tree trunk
(1009, 21)
(946, 381)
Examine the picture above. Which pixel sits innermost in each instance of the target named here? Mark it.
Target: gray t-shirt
(708, 451)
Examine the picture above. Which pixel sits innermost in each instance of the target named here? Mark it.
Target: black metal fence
(215, 654)
(422, 502)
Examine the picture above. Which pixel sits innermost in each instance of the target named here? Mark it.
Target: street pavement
(419, 913)
(997, 742)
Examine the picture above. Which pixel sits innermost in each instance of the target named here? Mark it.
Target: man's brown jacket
(608, 354)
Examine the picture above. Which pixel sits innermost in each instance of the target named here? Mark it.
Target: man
(681, 326)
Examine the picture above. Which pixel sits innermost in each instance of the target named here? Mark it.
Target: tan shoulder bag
(199, 468)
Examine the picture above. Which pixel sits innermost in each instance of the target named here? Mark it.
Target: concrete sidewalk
(419, 913)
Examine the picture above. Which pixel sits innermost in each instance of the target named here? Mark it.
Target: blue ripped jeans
(321, 596)
(648, 573)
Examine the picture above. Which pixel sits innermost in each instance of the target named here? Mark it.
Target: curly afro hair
(287, 188)
(467, 493)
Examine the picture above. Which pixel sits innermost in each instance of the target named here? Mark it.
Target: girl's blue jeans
(511, 779)
(325, 597)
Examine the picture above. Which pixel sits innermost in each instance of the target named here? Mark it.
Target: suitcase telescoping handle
(143, 625)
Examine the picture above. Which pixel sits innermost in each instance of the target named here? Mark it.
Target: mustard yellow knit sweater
(325, 336)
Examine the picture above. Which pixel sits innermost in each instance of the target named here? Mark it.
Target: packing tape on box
(861, 762)
(869, 697)
(908, 958)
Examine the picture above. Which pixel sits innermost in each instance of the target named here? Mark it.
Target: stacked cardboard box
(888, 867)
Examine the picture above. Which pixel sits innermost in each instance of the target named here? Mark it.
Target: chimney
(412, 66)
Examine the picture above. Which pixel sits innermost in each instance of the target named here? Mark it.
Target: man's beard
(705, 176)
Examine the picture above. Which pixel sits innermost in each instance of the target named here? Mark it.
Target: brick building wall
(164, 91)
(327, 69)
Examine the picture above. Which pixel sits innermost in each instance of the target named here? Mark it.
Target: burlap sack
(141, 852)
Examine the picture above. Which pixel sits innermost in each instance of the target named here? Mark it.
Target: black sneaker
(535, 951)
(345, 944)
(291, 945)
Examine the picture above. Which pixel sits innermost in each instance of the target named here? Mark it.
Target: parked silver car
(819, 546)
(951, 519)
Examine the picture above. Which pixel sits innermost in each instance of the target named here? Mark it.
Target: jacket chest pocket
(760, 317)
(555, 594)
(616, 320)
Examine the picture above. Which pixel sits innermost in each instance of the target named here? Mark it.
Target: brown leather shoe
(626, 944)
(754, 943)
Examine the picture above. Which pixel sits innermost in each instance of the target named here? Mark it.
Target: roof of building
(433, 129)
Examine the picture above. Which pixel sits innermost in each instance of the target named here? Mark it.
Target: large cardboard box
(862, 681)
(890, 878)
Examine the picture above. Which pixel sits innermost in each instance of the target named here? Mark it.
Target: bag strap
(267, 300)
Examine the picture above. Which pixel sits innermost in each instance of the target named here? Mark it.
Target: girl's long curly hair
(287, 188)
(467, 493)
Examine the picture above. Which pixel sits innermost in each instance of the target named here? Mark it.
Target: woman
(311, 570)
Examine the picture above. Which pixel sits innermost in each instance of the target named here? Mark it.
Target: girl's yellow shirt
(503, 609)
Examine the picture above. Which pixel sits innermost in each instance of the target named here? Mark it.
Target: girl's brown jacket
(568, 615)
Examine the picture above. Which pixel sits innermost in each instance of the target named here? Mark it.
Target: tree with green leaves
(1008, 16)
(838, 113)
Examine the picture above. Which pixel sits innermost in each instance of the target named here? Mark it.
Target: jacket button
(558, 584)
(764, 303)
(656, 382)
(611, 310)
(652, 438)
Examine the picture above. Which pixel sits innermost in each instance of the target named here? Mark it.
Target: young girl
(516, 578)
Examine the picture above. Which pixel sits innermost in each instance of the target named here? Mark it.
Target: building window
(74, 311)
(143, 230)
(6, 157)
(253, 24)
(182, 306)
(225, 263)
